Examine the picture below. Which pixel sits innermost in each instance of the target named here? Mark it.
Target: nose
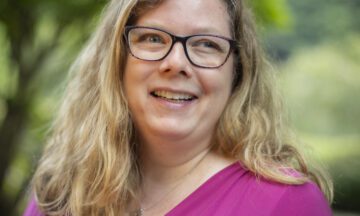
(176, 61)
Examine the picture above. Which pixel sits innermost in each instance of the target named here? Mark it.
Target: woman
(170, 111)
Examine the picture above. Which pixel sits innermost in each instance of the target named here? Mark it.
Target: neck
(171, 171)
(163, 170)
(161, 180)
(161, 154)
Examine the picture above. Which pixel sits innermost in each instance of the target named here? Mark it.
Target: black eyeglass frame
(183, 41)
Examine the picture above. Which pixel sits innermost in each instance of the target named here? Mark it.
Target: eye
(150, 38)
(206, 45)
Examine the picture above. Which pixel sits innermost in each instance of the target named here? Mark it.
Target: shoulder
(237, 191)
(32, 209)
(264, 197)
(305, 199)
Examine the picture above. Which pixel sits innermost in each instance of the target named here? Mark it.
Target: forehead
(184, 17)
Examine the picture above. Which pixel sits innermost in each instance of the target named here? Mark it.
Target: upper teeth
(173, 95)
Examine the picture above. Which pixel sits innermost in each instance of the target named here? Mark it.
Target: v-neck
(208, 185)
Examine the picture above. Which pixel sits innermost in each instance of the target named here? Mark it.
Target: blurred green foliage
(319, 63)
(316, 47)
(322, 82)
(313, 23)
(272, 13)
(39, 39)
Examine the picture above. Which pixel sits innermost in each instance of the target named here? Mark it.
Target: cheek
(137, 70)
(125, 76)
(132, 75)
(222, 82)
(131, 81)
(136, 79)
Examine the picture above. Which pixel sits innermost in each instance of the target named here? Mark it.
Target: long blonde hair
(90, 164)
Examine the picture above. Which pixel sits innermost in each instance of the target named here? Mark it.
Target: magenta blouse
(236, 191)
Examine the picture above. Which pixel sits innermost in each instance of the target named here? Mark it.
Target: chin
(169, 132)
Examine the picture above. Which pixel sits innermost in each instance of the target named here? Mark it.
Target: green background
(314, 47)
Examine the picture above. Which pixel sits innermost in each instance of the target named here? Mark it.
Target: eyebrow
(194, 30)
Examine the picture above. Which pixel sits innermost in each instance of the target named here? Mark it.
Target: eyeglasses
(202, 50)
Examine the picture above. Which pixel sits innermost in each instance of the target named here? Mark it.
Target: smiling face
(172, 99)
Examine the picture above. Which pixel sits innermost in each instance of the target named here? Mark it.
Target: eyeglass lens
(202, 50)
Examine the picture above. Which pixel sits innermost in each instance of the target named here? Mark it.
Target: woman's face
(153, 88)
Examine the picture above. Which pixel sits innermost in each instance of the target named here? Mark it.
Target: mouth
(173, 96)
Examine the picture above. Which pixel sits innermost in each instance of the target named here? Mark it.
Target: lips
(173, 96)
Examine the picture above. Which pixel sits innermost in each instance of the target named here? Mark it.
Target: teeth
(172, 95)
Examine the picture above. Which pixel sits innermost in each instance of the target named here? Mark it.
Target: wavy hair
(90, 164)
